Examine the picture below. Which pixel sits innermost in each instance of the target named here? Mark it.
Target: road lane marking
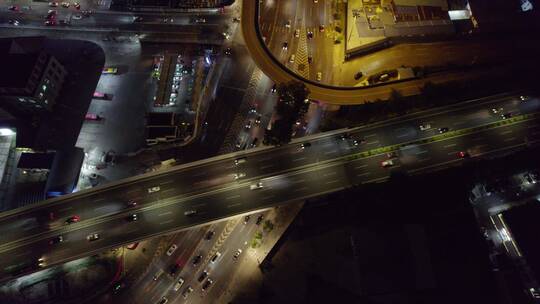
(330, 152)
(533, 126)
(509, 139)
(372, 142)
(66, 209)
(234, 205)
(331, 173)
(360, 167)
(267, 197)
(450, 145)
(453, 152)
(165, 213)
(166, 222)
(167, 190)
(300, 189)
(134, 190)
(332, 181)
(199, 205)
(370, 135)
(167, 182)
(99, 199)
(424, 159)
(102, 207)
(267, 166)
(232, 197)
(363, 174)
(506, 132)
(298, 181)
(421, 152)
(402, 135)
(299, 159)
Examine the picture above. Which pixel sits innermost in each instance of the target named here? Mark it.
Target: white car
(172, 249)
(77, 17)
(424, 127)
(256, 186)
(387, 163)
(238, 175)
(296, 33)
(239, 161)
(215, 257)
(237, 254)
(190, 212)
(53, 4)
(178, 284)
(154, 189)
(319, 76)
(93, 237)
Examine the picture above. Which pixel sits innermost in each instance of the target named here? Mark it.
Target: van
(158, 274)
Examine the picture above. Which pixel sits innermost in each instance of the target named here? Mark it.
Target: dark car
(132, 203)
(203, 276)
(305, 145)
(56, 240)
(73, 219)
(285, 45)
(274, 88)
(197, 260)
(358, 75)
(506, 115)
(443, 130)
(246, 219)
(132, 218)
(227, 51)
(174, 269)
(207, 284)
(209, 235)
(259, 219)
(345, 136)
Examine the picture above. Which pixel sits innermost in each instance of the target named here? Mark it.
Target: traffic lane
(531, 105)
(326, 179)
(299, 158)
(223, 269)
(145, 288)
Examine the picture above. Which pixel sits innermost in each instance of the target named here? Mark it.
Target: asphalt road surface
(287, 173)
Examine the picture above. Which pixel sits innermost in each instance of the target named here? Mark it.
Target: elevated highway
(205, 191)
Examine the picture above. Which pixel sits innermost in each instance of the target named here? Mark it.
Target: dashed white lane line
(267, 166)
(330, 173)
(298, 181)
(167, 182)
(450, 145)
(330, 152)
(360, 167)
(506, 132)
(234, 205)
(363, 174)
(165, 213)
(299, 159)
(372, 142)
(509, 139)
(166, 222)
(332, 181)
(232, 197)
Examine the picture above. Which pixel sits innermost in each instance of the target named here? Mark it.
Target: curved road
(319, 92)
